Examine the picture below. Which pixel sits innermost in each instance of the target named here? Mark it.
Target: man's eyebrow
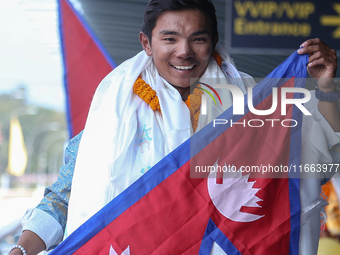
(202, 32)
(169, 32)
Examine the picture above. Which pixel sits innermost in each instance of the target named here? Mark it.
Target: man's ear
(144, 40)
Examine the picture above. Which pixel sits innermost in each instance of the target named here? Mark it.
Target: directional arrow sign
(328, 20)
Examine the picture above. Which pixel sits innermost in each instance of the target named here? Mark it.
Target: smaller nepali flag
(167, 211)
(86, 63)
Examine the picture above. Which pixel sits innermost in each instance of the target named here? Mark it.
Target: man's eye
(200, 39)
(169, 39)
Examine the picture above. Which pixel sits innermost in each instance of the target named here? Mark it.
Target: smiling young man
(181, 46)
(124, 135)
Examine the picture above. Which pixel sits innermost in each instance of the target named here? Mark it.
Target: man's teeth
(184, 67)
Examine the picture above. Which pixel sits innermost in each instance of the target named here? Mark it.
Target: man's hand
(322, 63)
(31, 242)
(322, 66)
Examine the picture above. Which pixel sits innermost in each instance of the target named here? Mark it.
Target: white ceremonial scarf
(109, 156)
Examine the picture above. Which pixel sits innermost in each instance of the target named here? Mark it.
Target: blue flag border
(214, 234)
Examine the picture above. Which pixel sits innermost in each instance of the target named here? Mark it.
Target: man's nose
(184, 50)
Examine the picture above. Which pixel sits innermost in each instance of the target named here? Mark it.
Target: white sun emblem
(235, 192)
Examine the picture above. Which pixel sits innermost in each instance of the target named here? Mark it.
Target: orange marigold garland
(194, 105)
(145, 92)
(217, 58)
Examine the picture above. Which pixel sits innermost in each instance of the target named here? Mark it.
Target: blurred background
(33, 129)
(54, 53)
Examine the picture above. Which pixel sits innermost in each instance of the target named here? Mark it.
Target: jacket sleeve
(48, 219)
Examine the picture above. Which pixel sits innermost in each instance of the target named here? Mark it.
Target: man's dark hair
(156, 7)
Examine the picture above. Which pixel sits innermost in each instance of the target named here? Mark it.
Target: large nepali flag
(86, 63)
(168, 211)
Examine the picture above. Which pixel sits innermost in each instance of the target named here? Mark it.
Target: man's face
(181, 46)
